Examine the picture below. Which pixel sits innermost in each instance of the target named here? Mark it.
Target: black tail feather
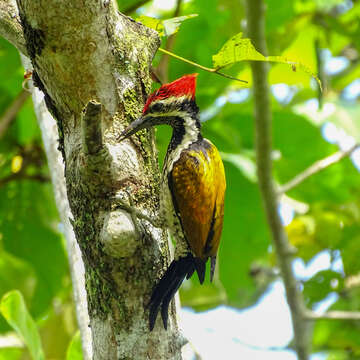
(161, 289)
(189, 274)
(167, 287)
(200, 266)
(163, 284)
(167, 299)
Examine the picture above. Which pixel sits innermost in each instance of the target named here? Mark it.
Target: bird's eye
(157, 107)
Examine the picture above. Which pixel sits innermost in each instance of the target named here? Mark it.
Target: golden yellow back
(197, 183)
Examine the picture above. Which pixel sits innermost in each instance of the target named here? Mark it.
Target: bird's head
(164, 105)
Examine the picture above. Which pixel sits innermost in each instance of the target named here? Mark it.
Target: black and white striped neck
(186, 126)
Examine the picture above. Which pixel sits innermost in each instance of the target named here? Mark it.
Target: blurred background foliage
(322, 214)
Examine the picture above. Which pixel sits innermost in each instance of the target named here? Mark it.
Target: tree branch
(333, 315)
(12, 110)
(322, 86)
(104, 57)
(10, 25)
(263, 140)
(315, 168)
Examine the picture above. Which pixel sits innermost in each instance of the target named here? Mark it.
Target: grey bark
(92, 64)
(50, 137)
(10, 25)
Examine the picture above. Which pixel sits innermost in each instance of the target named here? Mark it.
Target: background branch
(22, 176)
(12, 110)
(263, 140)
(315, 168)
(333, 315)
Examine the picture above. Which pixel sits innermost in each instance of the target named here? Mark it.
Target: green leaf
(344, 115)
(16, 273)
(340, 334)
(292, 134)
(27, 223)
(11, 72)
(245, 238)
(164, 27)
(10, 353)
(202, 297)
(350, 249)
(239, 49)
(321, 284)
(14, 310)
(244, 163)
(301, 47)
(171, 26)
(152, 23)
(234, 50)
(278, 13)
(74, 351)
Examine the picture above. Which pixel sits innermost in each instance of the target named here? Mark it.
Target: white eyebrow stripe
(171, 99)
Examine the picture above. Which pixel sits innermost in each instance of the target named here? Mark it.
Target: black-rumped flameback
(192, 188)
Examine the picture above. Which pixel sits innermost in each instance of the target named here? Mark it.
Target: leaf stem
(186, 60)
(211, 70)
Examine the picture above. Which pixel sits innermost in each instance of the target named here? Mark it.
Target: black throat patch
(191, 110)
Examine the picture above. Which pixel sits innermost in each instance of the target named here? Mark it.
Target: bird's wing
(197, 184)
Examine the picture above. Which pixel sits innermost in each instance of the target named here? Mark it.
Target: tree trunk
(92, 64)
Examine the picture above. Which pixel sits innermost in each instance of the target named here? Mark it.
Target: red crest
(183, 86)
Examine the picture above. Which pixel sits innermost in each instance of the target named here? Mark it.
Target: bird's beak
(134, 127)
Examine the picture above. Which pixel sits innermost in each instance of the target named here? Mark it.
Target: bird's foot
(135, 213)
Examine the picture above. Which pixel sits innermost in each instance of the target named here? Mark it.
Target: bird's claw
(135, 213)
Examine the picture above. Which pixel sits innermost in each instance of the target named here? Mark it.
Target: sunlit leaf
(14, 310)
(171, 26)
(16, 163)
(244, 163)
(74, 351)
(10, 353)
(164, 27)
(152, 23)
(302, 48)
(301, 233)
(239, 49)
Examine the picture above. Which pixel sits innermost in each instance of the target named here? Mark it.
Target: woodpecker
(192, 188)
